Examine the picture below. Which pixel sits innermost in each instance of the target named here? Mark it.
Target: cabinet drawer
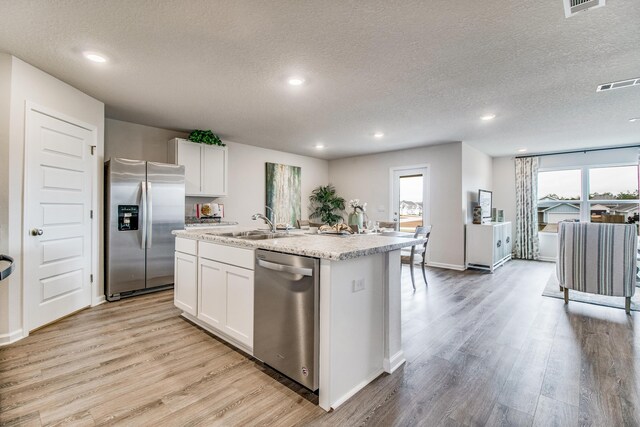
(227, 254)
(186, 246)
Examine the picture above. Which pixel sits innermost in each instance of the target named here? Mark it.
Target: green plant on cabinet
(205, 137)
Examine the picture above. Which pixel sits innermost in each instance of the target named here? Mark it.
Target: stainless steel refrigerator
(144, 202)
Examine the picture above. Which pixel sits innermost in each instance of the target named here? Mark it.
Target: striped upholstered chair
(597, 258)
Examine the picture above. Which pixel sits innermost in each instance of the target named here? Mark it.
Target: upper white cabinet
(205, 167)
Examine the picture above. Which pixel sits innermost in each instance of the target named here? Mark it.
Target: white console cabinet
(488, 245)
(205, 167)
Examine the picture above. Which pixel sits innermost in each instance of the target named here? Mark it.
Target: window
(596, 194)
(613, 194)
(559, 198)
(411, 203)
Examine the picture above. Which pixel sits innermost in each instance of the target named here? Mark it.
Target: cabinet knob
(508, 240)
(37, 232)
(499, 243)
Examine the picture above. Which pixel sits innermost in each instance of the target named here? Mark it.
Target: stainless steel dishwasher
(286, 310)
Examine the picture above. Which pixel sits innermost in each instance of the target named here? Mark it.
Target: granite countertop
(304, 243)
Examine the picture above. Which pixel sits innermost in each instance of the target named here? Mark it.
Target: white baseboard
(547, 259)
(447, 266)
(97, 301)
(355, 389)
(11, 337)
(221, 335)
(393, 363)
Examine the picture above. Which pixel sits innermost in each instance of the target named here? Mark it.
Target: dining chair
(302, 223)
(315, 224)
(388, 224)
(420, 250)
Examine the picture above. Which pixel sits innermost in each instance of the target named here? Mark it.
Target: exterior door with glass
(410, 197)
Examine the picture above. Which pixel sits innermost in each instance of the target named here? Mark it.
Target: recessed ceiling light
(319, 146)
(296, 81)
(635, 119)
(378, 135)
(92, 56)
(522, 150)
(487, 117)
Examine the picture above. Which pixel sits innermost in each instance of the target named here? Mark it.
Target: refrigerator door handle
(143, 214)
(149, 215)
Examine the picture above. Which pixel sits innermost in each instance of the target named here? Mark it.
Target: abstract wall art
(283, 189)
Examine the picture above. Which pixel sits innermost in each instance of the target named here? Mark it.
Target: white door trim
(427, 189)
(95, 241)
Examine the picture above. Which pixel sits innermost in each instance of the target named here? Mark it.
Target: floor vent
(618, 85)
(572, 7)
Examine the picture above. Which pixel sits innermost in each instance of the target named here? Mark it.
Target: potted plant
(205, 137)
(326, 205)
(357, 216)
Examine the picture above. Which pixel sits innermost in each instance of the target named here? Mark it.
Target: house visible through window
(596, 194)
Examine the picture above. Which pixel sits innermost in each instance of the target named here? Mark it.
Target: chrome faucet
(266, 220)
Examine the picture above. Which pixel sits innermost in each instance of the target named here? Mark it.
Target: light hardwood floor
(481, 350)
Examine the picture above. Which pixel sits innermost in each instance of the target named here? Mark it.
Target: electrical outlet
(358, 285)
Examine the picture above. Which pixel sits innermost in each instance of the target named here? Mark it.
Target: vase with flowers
(356, 217)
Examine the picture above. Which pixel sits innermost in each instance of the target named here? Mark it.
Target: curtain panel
(526, 242)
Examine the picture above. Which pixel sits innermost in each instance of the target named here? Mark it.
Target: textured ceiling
(423, 72)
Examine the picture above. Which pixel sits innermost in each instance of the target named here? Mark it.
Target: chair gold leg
(566, 295)
(561, 288)
(627, 305)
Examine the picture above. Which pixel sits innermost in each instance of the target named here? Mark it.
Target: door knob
(37, 232)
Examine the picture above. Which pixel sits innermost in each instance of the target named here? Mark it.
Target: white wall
(134, 141)
(31, 84)
(477, 173)
(367, 178)
(246, 167)
(247, 171)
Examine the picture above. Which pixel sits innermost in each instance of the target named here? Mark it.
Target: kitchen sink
(238, 234)
(266, 236)
(253, 235)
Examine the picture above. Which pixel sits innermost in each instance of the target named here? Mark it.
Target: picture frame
(485, 200)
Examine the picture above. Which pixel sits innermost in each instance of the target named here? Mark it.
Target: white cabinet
(185, 288)
(205, 167)
(226, 299)
(488, 245)
(219, 288)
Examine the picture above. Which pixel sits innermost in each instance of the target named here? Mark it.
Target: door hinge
(93, 150)
(91, 214)
(91, 278)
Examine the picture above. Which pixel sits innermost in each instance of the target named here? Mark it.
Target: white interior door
(410, 197)
(57, 243)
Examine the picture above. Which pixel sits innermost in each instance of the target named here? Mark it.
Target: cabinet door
(498, 243)
(185, 288)
(214, 171)
(212, 283)
(240, 304)
(508, 240)
(189, 157)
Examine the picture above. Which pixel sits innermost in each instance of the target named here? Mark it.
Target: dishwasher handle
(285, 268)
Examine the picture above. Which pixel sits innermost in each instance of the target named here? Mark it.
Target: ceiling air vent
(618, 85)
(571, 7)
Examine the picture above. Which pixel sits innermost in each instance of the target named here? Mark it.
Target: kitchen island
(359, 293)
